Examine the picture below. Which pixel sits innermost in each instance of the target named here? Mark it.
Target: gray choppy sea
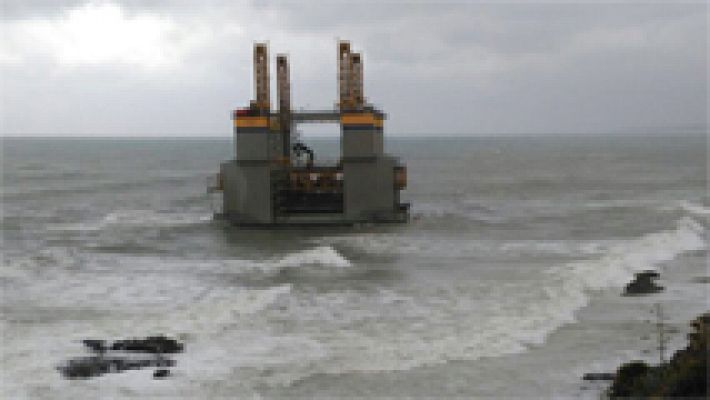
(505, 283)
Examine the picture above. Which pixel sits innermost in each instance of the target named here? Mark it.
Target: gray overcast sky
(177, 67)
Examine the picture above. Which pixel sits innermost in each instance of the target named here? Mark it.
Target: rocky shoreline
(684, 375)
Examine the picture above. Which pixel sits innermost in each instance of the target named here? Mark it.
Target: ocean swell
(470, 320)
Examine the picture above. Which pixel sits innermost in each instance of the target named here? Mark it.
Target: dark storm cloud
(456, 68)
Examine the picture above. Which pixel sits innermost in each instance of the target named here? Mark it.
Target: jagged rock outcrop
(151, 344)
(643, 283)
(121, 356)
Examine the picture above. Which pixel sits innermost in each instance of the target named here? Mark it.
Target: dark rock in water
(701, 279)
(599, 376)
(85, 367)
(628, 378)
(161, 373)
(643, 283)
(98, 346)
(164, 362)
(151, 344)
(89, 367)
(103, 362)
(650, 274)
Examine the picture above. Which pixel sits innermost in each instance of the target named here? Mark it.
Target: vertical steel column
(344, 68)
(283, 90)
(284, 85)
(356, 81)
(261, 76)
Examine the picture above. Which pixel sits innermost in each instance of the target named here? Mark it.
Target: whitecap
(321, 255)
(694, 209)
(136, 218)
(433, 324)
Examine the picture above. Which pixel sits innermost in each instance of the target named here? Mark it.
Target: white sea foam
(624, 258)
(320, 257)
(388, 329)
(385, 244)
(135, 218)
(694, 209)
(323, 258)
(218, 329)
(376, 243)
(151, 218)
(470, 320)
(217, 309)
(568, 285)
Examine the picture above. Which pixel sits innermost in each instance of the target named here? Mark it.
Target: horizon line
(388, 135)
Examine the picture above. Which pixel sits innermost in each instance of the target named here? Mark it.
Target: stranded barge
(274, 178)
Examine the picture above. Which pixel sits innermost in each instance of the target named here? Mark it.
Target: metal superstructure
(266, 185)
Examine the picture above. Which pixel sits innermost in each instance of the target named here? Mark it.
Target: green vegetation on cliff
(685, 375)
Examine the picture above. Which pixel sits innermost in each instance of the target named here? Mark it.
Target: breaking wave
(694, 209)
(218, 308)
(321, 258)
(385, 244)
(436, 324)
(321, 255)
(466, 210)
(625, 258)
(618, 264)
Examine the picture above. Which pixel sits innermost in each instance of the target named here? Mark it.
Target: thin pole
(661, 334)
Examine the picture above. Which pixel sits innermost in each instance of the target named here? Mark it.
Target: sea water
(505, 283)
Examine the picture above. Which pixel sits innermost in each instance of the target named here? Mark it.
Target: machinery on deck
(266, 184)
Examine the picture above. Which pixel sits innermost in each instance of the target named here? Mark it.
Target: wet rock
(120, 356)
(85, 367)
(649, 274)
(628, 378)
(151, 344)
(89, 367)
(643, 283)
(599, 376)
(162, 362)
(161, 373)
(95, 345)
